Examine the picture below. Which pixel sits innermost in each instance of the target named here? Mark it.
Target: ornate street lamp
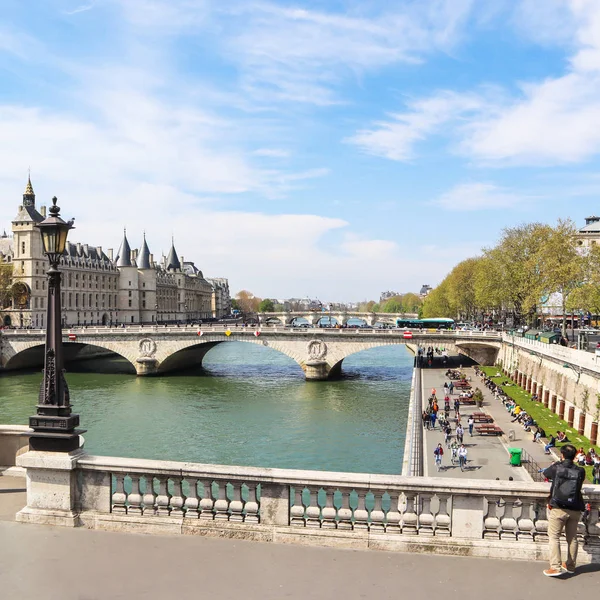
(54, 425)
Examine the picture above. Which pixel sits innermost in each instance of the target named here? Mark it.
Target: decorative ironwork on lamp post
(54, 425)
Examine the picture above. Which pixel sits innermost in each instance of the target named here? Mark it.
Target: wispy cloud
(80, 9)
(479, 196)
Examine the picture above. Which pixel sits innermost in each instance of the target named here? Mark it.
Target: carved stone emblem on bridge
(317, 349)
(147, 347)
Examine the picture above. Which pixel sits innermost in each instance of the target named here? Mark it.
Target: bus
(437, 323)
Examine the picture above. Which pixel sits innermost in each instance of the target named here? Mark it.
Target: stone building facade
(99, 289)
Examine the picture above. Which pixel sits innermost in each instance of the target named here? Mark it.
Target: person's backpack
(566, 488)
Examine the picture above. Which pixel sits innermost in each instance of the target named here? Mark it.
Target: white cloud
(395, 139)
(293, 54)
(271, 152)
(548, 122)
(479, 196)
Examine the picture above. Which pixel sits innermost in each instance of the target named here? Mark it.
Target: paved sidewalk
(488, 456)
(53, 563)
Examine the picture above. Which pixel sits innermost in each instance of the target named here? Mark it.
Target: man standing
(564, 510)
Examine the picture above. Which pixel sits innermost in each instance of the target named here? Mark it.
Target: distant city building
(99, 289)
(387, 295)
(425, 289)
(589, 234)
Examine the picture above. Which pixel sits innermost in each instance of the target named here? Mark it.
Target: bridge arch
(193, 354)
(31, 354)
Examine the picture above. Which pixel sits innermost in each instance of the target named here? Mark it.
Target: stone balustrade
(451, 516)
(14, 440)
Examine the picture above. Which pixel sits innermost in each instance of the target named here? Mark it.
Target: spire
(29, 194)
(143, 260)
(124, 255)
(173, 259)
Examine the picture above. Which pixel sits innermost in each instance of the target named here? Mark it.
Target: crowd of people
(453, 438)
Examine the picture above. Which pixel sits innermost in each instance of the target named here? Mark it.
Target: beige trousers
(559, 519)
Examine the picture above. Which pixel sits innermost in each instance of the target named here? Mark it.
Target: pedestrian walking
(438, 453)
(451, 388)
(447, 434)
(456, 406)
(432, 418)
(462, 457)
(564, 510)
(460, 432)
(470, 423)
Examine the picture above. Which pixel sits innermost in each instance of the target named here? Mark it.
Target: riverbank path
(56, 563)
(488, 456)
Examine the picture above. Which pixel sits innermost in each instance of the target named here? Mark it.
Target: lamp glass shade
(54, 238)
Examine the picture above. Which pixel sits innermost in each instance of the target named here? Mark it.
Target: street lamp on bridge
(53, 424)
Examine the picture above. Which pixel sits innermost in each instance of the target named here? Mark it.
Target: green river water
(249, 405)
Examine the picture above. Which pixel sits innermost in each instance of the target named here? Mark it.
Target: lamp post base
(52, 441)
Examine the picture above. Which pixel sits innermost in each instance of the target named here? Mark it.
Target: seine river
(249, 406)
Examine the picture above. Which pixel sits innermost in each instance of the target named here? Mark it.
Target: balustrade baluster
(443, 521)
(313, 510)
(345, 512)
(222, 503)
(491, 521)
(192, 502)
(593, 525)
(297, 510)
(361, 514)
(394, 517)
(251, 507)
(377, 514)
(177, 499)
(329, 512)
(162, 500)
(410, 517)
(119, 497)
(508, 522)
(149, 497)
(134, 500)
(236, 506)
(540, 521)
(207, 503)
(525, 527)
(426, 518)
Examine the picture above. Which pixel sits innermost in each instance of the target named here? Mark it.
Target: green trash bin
(515, 456)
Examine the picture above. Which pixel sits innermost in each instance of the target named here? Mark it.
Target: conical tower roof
(124, 255)
(29, 194)
(173, 259)
(143, 260)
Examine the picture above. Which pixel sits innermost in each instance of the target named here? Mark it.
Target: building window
(144, 284)
(22, 247)
(130, 284)
(132, 318)
(129, 303)
(22, 267)
(143, 304)
(90, 300)
(70, 300)
(37, 284)
(76, 300)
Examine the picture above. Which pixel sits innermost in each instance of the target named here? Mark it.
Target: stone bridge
(158, 350)
(313, 317)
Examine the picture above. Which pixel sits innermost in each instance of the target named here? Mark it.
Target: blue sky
(330, 148)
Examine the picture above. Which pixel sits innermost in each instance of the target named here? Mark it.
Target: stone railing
(461, 516)
(14, 441)
(579, 358)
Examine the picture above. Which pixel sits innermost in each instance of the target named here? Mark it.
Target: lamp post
(53, 424)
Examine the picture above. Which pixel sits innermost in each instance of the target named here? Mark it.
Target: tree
(393, 305)
(561, 265)
(247, 301)
(437, 304)
(235, 304)
(411, 303)
(266, 305)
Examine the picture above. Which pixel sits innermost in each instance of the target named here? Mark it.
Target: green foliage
(393, 305)
(6, 289)
(266, 305)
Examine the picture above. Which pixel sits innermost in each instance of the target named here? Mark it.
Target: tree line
(519, 274)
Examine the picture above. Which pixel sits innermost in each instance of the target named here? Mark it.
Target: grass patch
(544, 417)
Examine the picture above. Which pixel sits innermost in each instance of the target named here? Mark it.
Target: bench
(465, 385)
(467, 401)
(480, 417)
(488, 429)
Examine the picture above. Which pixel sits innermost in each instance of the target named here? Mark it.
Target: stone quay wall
(496, 519)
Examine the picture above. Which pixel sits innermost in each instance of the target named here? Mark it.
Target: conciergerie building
(100, 288)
